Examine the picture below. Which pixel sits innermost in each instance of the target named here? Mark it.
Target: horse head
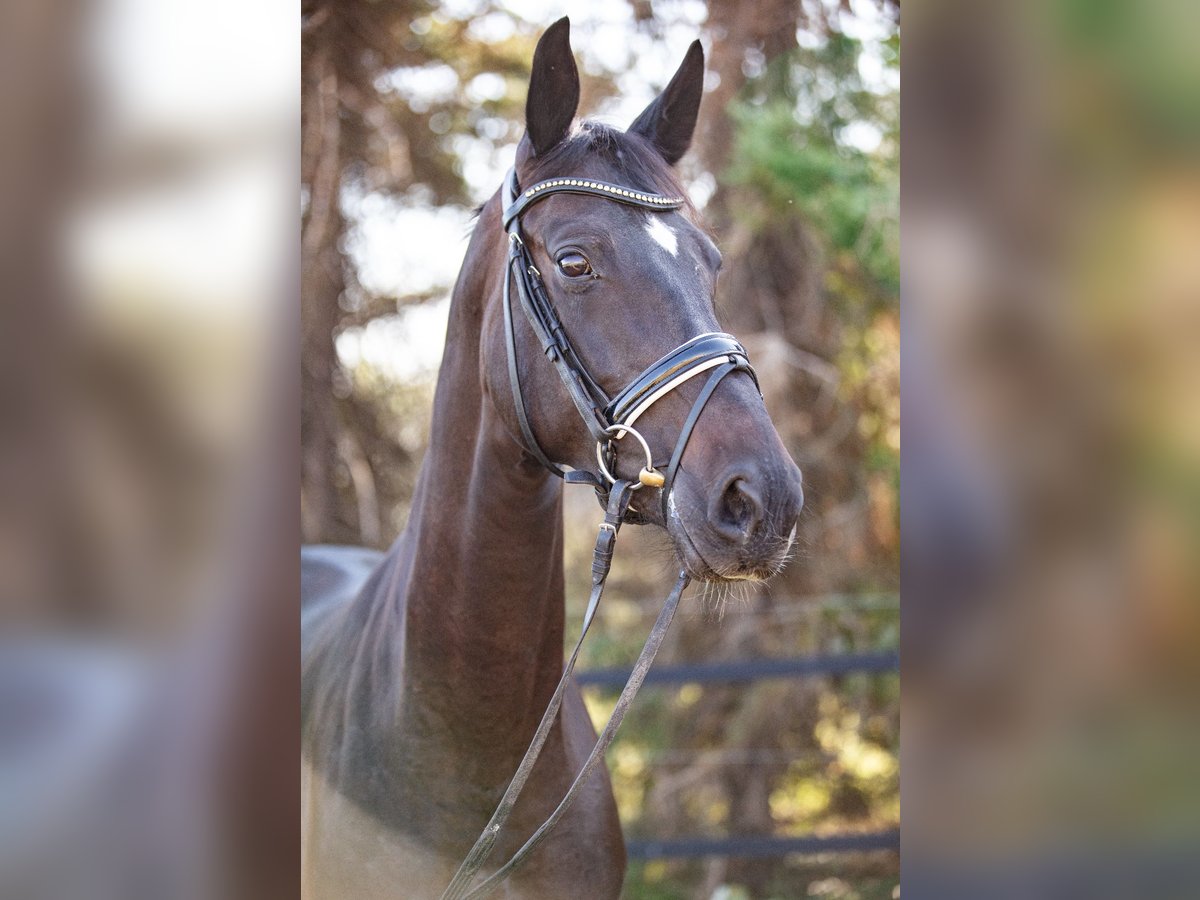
(629, 283)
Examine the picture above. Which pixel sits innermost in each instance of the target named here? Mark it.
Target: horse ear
(553, 88)
(669, 121)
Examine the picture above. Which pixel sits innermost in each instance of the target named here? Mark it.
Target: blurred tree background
(412, 111)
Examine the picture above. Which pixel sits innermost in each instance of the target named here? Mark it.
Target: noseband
(608, 419)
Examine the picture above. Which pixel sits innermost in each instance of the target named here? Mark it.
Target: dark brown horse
(423, 682)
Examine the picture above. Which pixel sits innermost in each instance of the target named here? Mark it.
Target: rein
(608, 420)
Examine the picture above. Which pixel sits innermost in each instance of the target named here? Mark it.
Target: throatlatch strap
(619, 497)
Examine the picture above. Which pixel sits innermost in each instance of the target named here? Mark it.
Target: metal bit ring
(648, 475)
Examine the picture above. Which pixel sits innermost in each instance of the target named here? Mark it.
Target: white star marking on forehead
(662, 233)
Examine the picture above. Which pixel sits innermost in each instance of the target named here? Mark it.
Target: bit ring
(615, 432)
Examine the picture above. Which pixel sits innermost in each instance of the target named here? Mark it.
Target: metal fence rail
(694, 848)
(751, 670)
(883, 661)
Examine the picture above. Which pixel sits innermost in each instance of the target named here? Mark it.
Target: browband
(606, 419)
(516, 201)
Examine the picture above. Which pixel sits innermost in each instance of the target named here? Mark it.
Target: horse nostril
(739, 510)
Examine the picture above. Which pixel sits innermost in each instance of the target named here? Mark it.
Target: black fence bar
(751, 670)
(695, 848)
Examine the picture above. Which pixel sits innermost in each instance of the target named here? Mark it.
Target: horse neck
(486, 592)
(483, 603)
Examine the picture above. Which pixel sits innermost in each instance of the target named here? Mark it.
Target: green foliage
(792, 149)
(815, 144)
(1140, 58)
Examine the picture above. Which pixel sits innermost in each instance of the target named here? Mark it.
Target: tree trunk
(736, 28)
(322, 282)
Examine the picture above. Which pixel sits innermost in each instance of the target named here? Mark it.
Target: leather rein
(608, 420)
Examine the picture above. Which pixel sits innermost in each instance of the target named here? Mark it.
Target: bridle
(608, 420)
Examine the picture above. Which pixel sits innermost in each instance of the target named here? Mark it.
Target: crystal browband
(602, 186)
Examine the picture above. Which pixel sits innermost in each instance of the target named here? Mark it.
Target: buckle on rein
(648, 476)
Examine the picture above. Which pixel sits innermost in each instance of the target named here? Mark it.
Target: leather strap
(514, 380)
(689, 426)
(587, 396)
(636, 677)
(619, 497)
(517, 201)
(669, 372)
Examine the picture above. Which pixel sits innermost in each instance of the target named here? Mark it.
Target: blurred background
(1051, 511)
(149, 410)
(149, 157)
(412, 113)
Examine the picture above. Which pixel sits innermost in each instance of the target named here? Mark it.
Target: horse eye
(574, 265)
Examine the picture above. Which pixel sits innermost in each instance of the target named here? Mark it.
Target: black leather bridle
(607, 420)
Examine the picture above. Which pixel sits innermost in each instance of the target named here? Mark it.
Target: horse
(425, 670)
